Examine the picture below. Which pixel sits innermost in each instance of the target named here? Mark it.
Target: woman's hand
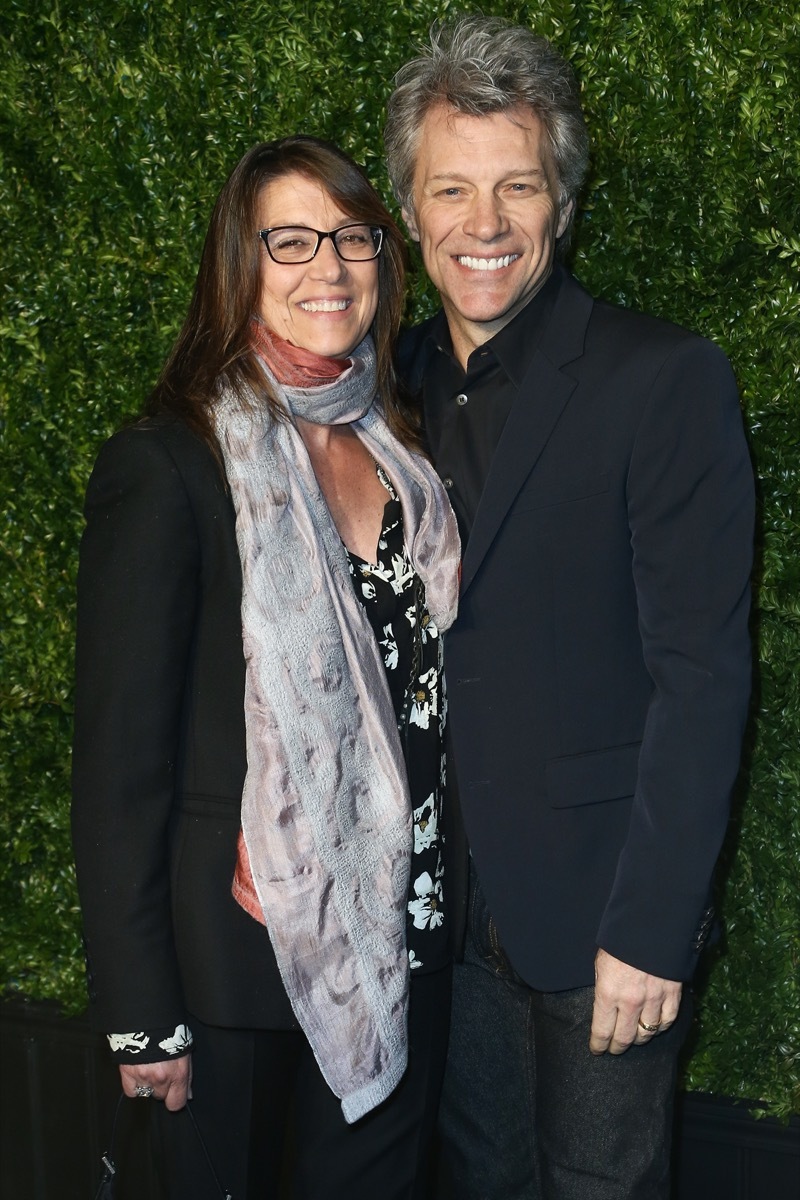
(170, 1080)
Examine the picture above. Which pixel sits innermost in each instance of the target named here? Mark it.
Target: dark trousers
(527, 1112)
(266, 1115)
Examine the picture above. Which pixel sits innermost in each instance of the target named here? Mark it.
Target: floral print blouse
(394, 600)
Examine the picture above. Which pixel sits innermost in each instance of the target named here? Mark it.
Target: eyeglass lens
(296, 244)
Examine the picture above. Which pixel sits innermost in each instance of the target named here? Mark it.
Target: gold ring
(648, 1028)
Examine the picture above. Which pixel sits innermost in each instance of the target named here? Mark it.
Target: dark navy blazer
(599, 669)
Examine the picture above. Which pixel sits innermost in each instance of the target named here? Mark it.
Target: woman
(266, 568)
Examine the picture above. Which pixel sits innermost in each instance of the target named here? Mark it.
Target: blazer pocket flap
(594, 777)
(566, 491)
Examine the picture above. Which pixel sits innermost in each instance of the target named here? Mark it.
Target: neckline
(365, 562)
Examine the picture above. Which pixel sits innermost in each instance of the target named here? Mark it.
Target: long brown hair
(214, 345)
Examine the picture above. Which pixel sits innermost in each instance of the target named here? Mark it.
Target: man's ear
(563, 218)
(411, 224)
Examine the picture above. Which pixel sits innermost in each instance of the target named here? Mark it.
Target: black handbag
(105, 1189)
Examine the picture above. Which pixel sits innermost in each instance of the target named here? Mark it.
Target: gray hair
(481, 65)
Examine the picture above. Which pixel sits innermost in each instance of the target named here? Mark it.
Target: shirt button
(461, 400)
(447, 481)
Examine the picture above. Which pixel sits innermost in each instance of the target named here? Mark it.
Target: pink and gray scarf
(326, 819)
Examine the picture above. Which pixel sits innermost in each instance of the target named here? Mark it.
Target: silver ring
(144, 1091)
(648, 1028)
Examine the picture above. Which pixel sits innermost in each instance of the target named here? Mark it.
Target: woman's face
(325, 305)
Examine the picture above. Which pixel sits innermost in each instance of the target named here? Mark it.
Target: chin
(331, 343)
(483, 314)
(338, 350)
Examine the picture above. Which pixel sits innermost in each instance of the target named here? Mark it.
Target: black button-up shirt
(466, 411)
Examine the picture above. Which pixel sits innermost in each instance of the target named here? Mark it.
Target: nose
(486, 219)
(326, 263)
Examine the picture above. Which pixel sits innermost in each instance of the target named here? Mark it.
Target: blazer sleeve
(690, 506)
(137, 591)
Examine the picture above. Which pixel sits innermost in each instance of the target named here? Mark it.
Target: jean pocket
(486, 939)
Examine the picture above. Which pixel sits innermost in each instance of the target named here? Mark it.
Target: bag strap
(105, 1189)
(226, 1195)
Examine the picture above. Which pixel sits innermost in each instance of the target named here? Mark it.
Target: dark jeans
(267, 1114)
(527, 1112)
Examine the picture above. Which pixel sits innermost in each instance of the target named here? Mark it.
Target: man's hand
(171, 1080)
(625, 1000)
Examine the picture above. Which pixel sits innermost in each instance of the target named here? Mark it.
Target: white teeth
(323, 305)
(486, 264)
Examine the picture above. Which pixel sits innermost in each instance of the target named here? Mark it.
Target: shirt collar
(514, 345)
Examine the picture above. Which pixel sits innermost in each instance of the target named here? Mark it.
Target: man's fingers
(604, 1020)
(630, 1007)
(625, 1032)
(648, 1025)
(670, 1008)
(657, 1017)
(613, 1034)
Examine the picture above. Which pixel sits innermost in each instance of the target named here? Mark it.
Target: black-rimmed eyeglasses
(297, 244)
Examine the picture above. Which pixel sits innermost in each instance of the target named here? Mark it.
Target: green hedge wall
(119, 124)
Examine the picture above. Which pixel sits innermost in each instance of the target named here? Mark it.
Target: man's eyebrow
(515, 173)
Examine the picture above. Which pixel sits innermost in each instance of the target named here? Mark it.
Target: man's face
(486, 216)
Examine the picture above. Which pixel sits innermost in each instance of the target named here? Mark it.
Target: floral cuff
(154, 1045)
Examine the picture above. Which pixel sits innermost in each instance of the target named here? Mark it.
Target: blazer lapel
(542, 397)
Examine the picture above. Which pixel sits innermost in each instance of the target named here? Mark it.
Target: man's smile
(485, 264)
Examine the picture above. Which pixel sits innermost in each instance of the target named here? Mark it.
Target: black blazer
(159, 754)
(599, 669)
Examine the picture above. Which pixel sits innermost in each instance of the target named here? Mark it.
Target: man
(599, 669)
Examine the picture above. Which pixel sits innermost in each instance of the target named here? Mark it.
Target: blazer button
(461, 400)
(447, 481)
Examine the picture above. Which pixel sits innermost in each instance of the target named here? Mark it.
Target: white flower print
(426, 700)
(426, 909)
(429, 629)
(439, 864)
(426, 825)
(133, 1043)
(427, 624)
(432, 629)
(410, 646)
(380, 572)
(180, 1040)
(391, 656)
(402, 572)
